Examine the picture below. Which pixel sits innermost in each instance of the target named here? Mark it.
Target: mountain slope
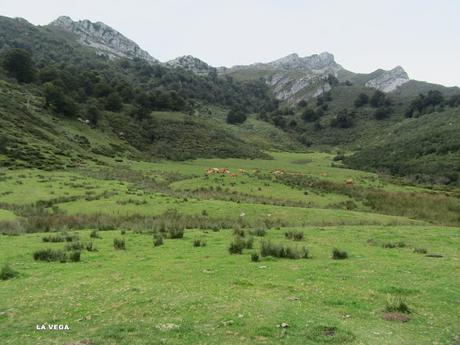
(294, 78)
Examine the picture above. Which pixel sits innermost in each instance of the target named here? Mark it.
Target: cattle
(349, 182)
(210, 171)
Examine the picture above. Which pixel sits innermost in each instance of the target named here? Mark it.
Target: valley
(284, 202)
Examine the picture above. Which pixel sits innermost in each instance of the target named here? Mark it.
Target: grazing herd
(276, 172)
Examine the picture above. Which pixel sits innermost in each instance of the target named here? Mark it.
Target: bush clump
(254, 257)
(157, 240)
(71, 237)
(7, 272)
(75, 256)
(237, 245)
(420, 250)
(294, 235)
(90, 247)
(74, 246)
(261, 232)
(199, 243)
(390, 245)
(339, 254)
(119, 244)
(94, 234)
(176, 231)
(279, 250)
(53, 238)
(396, 304)
(239, 232)
(50, 255)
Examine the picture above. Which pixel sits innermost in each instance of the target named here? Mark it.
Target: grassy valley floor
(402, 244)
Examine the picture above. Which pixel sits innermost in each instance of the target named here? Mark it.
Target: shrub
(237, 246)
(199, 243)
(119, 244)
(249, 243)
(281, 251)
(53, 238)
(90, 247)
(361, 100)
(254, 257)
(390, 245)
(7, 272)
(19, 64)
(339, 255)
(239, 232)
(176, 231)
(123, 232)
(396, 304)
(157, 240)
(258, 232)
(236, 116)
(50, 255)
(94, 234)
(420, 250)
(74, 246)
(75, 256)
(294, 235)
(71, 237)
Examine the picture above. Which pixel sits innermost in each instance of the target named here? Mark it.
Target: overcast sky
(423, 36)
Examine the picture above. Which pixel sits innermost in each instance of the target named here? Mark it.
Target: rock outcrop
(104, 39)
(192, 64)
(294, 78)
(389, 80)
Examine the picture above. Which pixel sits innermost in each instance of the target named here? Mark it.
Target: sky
(421, 36)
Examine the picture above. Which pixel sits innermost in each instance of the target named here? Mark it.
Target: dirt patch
(398, 317)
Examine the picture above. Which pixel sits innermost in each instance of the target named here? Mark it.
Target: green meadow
(174, 279)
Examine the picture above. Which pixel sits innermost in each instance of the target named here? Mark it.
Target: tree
(332, 80)
(361, 100)
(113, 102)
(342, 120)
(19, 64)
(425, 104)
(93, 113)
(3, 143)
(55, 97)
(309, 115)
(379, 99)
(236, 116)
(303, 103)
(382, 113)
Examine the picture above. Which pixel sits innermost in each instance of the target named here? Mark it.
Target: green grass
(216, 297)
(177, 293)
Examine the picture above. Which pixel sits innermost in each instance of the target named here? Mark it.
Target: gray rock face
(313, 62)
(294, 78)
(103, 38)
(389, 80)
(191, 64)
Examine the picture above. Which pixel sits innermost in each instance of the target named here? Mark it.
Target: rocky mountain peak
(103, 38)
(390, 80)
(312, 62)
(192, 64)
